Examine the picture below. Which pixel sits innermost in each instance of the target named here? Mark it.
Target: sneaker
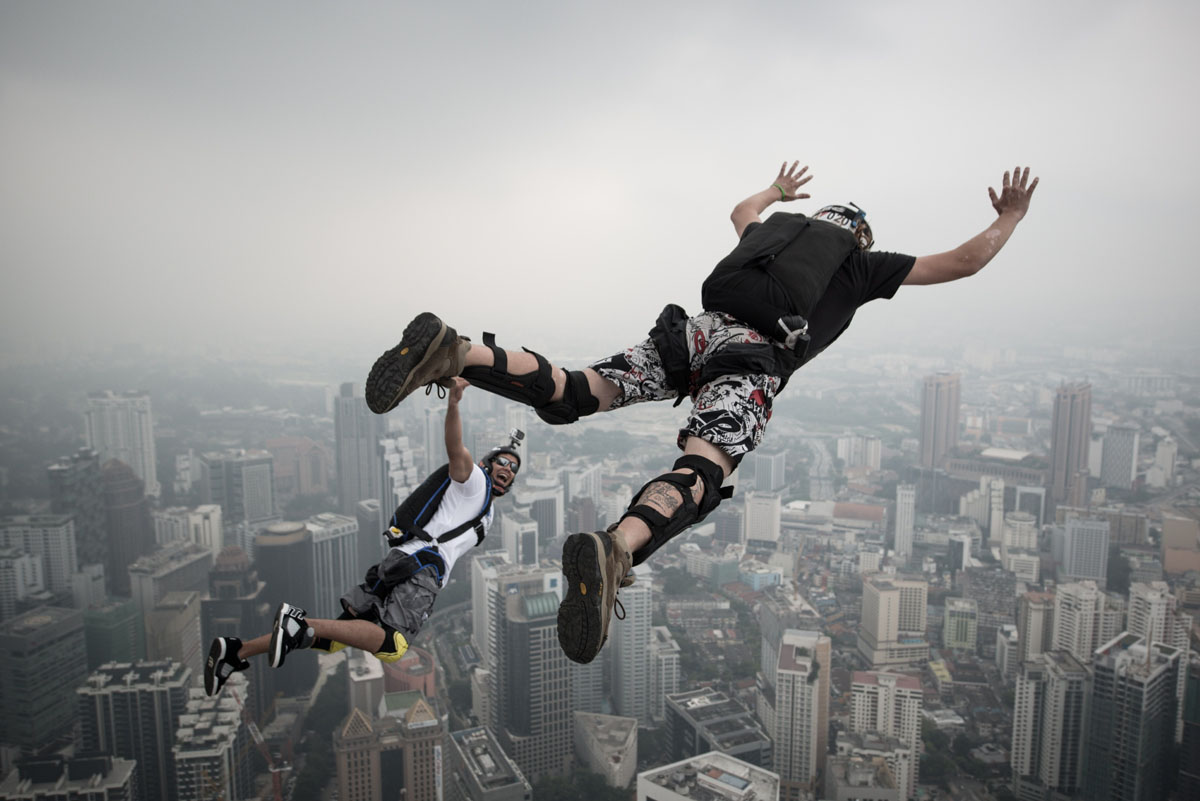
(290, 632)
(223, 662)
(430, 352)
(595, 565)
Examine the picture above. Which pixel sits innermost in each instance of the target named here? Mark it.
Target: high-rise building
(1118, 465)
(1165, 455)
(56, 778)
(77, 489)
(1131, 709)
(714, 776)
(483, 574)
(892, 631)
(21, 581)
(1070, 436)
(630, 651)
(889, 704)
(398, 475)
(214, 753)
(857, 451)
(607, 746)
(960, 624)
(114, 632)
(242, 483)
(403, 745)
(481, 771)
(42, 664)
(547, 505)
(335, 561)
(763, 515)
(181, 567)
(1189, 751)
(519, 535)
(201, 525)
(1155, 616)
(370, 548)
(357, 432)
(770, 470)
(122, 427)
(940, 408)
(801, 719)
(127, 515)
(698, 721)
(1035, 624)
(664, 670)
(48, 537)
(173, 632)
(906, 518)
(302, 467)
(1084, 617)
(283, 553)
(131, 711)
(780, 609)
(1084, 550)
(1048, 720)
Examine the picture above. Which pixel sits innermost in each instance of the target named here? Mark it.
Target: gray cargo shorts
(405, 608)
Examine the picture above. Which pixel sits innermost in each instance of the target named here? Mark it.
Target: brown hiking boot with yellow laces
(430, 352)
(595, 565)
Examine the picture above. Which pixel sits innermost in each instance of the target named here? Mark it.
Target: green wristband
(782, 194)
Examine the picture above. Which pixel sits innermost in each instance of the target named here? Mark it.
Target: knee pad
(663, 528)
(395, 645)
(536, 388)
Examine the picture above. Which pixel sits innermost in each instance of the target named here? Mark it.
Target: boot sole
(580, 615)
(391, 378)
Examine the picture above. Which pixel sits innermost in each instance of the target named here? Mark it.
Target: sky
(311, 175)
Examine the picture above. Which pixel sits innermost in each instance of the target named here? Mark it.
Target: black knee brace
(534, 389)
(662, 528)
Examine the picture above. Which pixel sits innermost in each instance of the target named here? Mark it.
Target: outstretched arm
(783, 190)
(461, 463)
(970, 257)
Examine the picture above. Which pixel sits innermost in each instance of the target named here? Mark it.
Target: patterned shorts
(730, 412)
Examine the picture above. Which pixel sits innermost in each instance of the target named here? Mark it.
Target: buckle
(795, 331)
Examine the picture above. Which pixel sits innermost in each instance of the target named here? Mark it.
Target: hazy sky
(319, 172)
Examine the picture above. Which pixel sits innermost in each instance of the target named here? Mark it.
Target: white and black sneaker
(291, 631)
(223, 662)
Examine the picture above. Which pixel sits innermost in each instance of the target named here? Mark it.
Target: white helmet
(853, 219)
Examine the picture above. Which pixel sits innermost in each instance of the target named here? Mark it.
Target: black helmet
(853, 219)
(514, 439)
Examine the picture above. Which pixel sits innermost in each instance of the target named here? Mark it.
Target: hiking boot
(430, 352)
(290, 632)
(595, 565)
(223, 662)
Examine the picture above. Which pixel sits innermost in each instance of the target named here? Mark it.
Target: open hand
(1014, 193)
(790, 179)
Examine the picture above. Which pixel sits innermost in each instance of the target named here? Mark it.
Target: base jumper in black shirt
(785, 293)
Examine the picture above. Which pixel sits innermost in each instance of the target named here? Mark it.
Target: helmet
(853, 219)
(514, 439)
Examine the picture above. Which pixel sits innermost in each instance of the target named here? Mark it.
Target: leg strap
(536, 388)
(663, 528)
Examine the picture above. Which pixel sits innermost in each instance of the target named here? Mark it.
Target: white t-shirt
(461, 503)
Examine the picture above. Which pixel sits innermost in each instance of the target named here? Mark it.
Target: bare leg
(665, 497)
(361, 634)
(520, 363)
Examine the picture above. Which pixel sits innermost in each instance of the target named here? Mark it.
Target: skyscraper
(212, 746)
(1085, 550)
(1118, 464)
(1048, 720)
(127, 516)
(48, 537)
(335, 561)
(770, 470)
(122, 427)
(481, 771)
(664, 670)
(630, 651)
(242, 483)
(892, 631)
(1083, 619)
(77, 489)
(906, 515)
(1131, 720)
(1035, 624)
(357, 432)
(42, 664)
(763, 515)
(1070, 436)
(284, 557)
(960, 624)
(1155, 617)
(940, 407)
(889, 704)
(801, 718)
(398, 475)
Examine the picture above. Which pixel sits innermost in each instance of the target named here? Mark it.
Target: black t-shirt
(861, 278)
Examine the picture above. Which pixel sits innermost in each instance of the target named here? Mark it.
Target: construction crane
(276, 771)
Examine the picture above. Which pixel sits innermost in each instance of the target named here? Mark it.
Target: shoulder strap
(475, 522)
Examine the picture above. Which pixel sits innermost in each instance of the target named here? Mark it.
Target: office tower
(21, 578)
(214, 752)
(237, 606)
(335, 561)
(801, 719)
(630, 651)
(960, 624)
(131, 711)
(583, 515)
(122, 427)
(43, 661)
(713, 776)
(51, 538)
(995, 512)
(780, 609)
(57, 778)
(242, 483)
(1084, 617)
(940, 408)
(483, 572)
(1008, 656)
(906, 517)
(664, 670)
(302, 467)
(127, 518)
(403, 745)
(114, 632)
(857, 451)
(481, 771)
(173, 632)
(284, 557)
(889, 704)
(1155, 616)
(519, 535)
(1130, 720)
(584, 479)
(698, 721)
(546, 503)
(357, 432)
(607, 746)
(590, 686)
(1189, 751)
(398, 475)
(1070, 435)
(77, 490)
(763, 515)
(1165, 455)
(892, 631)
(182, 567)
(1020, 532)
(1048, 721)
(201, 525)
(370, 548)
(1084, 550)
(959, 551)
(770, 470)
(1118, 465)
(1035, 624)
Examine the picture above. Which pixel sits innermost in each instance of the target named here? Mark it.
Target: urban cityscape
(971, 575)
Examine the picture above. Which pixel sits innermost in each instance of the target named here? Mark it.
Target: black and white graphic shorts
(730, 412)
